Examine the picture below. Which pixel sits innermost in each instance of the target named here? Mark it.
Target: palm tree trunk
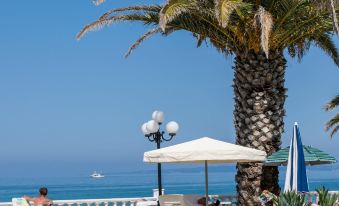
(258, 118)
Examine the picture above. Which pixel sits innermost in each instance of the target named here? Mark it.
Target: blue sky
(68, 107)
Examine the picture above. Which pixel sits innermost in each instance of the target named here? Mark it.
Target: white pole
(206, 182)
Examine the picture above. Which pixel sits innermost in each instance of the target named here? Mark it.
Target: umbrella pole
(206, 182)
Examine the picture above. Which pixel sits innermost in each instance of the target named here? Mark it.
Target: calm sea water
(140, 184)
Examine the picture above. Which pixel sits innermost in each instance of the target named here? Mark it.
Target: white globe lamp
(152, 126)
(172, 128)
(154, 114)
(158, 116)
(144, 129)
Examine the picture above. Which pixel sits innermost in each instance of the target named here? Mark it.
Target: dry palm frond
(142, 38)
(144, 8)
(224, 9)
(266, 23)
(334, 16)
(97, 25)
(171, 10)
(98, 2)
(101, 22)
(94, 26)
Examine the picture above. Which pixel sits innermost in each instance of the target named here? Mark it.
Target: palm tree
(256, 32)
(334, 122)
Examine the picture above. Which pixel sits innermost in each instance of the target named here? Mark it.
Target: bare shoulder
(28, 198)
(49, 201)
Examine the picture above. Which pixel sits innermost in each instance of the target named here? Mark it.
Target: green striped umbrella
(313, 156)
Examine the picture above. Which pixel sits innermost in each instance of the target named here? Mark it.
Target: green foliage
(290, 199)
(299, 199)
(238, 26)
(326, 199)
(334, 122)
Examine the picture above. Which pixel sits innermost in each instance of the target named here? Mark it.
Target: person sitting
(42, 200)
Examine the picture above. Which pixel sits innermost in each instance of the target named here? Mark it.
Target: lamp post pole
(159, 167)
(151, 130)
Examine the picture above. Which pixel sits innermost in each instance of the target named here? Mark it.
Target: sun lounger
(147, 203)
(171, 200)
(179, 200)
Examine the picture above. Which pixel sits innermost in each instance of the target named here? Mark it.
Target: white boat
(97, 175)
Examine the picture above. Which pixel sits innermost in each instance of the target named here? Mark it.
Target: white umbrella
(205, 150)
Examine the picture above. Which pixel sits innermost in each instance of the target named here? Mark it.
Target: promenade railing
(97, 202)
(144, 201)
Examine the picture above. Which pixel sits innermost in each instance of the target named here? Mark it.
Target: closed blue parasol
(296, 177)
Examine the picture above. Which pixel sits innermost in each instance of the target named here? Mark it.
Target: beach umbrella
(296, 177)
(311, 156)
(205, 150)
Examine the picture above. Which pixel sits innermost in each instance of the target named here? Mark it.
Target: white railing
(97, 202)
(311, 197)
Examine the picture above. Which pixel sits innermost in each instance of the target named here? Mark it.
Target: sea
(141, 183)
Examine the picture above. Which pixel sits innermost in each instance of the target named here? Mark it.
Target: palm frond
(329, 6)
(98, 24)
(223, 40)
(200, 39)
(333, 123)
(224, 9)
(325, 42)
(301, 28)
(289, 9)
(171, 10)
(334, 130)
(143, 8)
(142, 38)
(332, 104)
(299, 49)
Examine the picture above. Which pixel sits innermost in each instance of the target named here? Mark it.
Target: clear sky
(69, 107)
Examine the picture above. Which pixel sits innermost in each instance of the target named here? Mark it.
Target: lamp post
(151, 130)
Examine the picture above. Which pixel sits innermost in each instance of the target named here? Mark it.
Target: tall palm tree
(334, 122)
(256, 32)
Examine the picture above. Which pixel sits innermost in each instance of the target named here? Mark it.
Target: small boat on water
(97, 175)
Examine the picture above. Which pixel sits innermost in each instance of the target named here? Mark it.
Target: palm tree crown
(237, 26)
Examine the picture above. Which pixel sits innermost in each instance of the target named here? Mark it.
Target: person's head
(43, 191)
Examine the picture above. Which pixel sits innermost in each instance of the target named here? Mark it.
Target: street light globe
(144, 129)
(172, 128)
(154, 114)
(152, 126)
(158, 116)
